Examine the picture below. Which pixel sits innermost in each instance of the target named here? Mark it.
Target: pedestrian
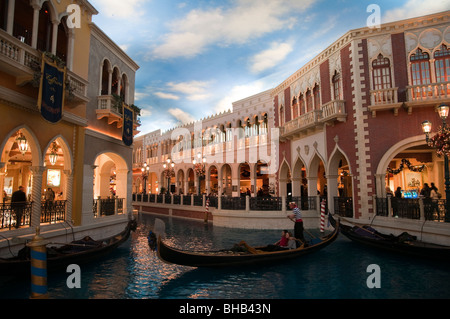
(296, 217)
(434, 195)
(426, 190)
(18, 202)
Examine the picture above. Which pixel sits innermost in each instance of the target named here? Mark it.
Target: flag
(51, 91)
(127, 128)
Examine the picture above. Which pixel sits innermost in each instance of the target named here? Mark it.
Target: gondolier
(296, 217)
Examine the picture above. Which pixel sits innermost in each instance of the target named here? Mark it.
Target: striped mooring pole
(206, 210)
(38, 252)
(322, 216)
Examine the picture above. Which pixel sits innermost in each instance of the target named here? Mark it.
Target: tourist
(283, 242)
(296, 217)
(434, 195)
(292, 242)
(18, 201)
(425, 192)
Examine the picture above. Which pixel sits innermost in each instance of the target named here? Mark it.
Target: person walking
(18, 202)
(296, 217)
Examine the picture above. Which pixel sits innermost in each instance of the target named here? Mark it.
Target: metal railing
(343, 206)
(15, 215)
(411, 208)
(53, 211)
(265, 203)
(108, 206)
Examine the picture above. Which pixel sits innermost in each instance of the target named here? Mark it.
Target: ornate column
(36, 195)
(34, 37)
(69, 195)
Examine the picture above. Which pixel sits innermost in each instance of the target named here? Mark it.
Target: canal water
(339, 271)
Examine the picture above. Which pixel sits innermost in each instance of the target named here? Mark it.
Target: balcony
(110, 107)
(18, 59)
(384, 99)
(302, 125)
(427, 95)
(333, 111)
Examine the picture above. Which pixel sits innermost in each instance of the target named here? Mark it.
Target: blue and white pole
(38, 266)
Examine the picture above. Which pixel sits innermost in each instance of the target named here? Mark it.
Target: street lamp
(441, 142)
(199, 168)
(168, 171)
(145, 171)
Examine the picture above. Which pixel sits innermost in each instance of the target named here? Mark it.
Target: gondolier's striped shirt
(297, 214)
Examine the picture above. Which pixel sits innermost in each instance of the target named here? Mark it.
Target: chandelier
(22, 143)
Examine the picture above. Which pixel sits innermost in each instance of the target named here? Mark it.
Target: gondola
(248, 256)
(404, 243)
(58, 258)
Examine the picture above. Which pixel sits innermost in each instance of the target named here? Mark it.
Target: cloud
(121, 9)
(182, 116)
(194, 90)
(237, 93)
(415, 8)
(270, 57)
(246, 20)
(167, 96)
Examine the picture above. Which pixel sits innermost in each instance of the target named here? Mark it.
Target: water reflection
(338, 271)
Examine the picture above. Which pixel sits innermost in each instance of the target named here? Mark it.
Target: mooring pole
(38, 266)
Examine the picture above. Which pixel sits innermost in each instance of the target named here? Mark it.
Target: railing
(343, 206)
(333, 110)
(21, 53)
(304, 121)
(53, 211)
(384, 96)
(108, 206)
(427, 92)
(233, 203)
(304, 202)
(266, 203)
(259, 203)
(411, 208)
(15, 215)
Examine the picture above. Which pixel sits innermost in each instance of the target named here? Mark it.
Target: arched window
(420, 68)
(294, 108)
(316, 93)
(124, 88)
(23, 21)
(45, 28)
(281, 115)
(337, 85)
(381, 73)
(301, 105)
(309, 105)
(442, 64)
(62, 40)
(105, 78)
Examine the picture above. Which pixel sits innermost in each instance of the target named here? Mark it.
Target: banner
(51, 91)
(127, 128)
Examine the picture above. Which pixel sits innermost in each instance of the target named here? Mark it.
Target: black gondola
(250, 255)
(76, 252)
(403, 244)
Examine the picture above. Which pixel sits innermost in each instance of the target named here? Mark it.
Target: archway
(227, 188)
(244, 179)
(285, 180)
(110, 183)
(213, 177)
(262, 179)
(340, 180)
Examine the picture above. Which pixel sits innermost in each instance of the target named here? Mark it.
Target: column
(70, 47)
(34, 36)
(10, 23)
(55, 24)
(69, 194)
(332, 185)
(87, 213)
(36, 191)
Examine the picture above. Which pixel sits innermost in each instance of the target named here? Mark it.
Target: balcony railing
(302, 123)
(427, 94)
(334, 111)
(19, 59)
(384, 99)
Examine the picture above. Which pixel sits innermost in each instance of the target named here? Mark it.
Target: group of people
(287, 240)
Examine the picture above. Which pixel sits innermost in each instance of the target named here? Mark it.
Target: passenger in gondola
(293, 243)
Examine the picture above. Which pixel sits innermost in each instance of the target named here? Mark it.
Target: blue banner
(51, 91)
(127, 128)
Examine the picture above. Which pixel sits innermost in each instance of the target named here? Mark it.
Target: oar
(249, 248)
(70, 244)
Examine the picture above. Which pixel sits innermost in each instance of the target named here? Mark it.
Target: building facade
(346, 127)
(61, 165)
